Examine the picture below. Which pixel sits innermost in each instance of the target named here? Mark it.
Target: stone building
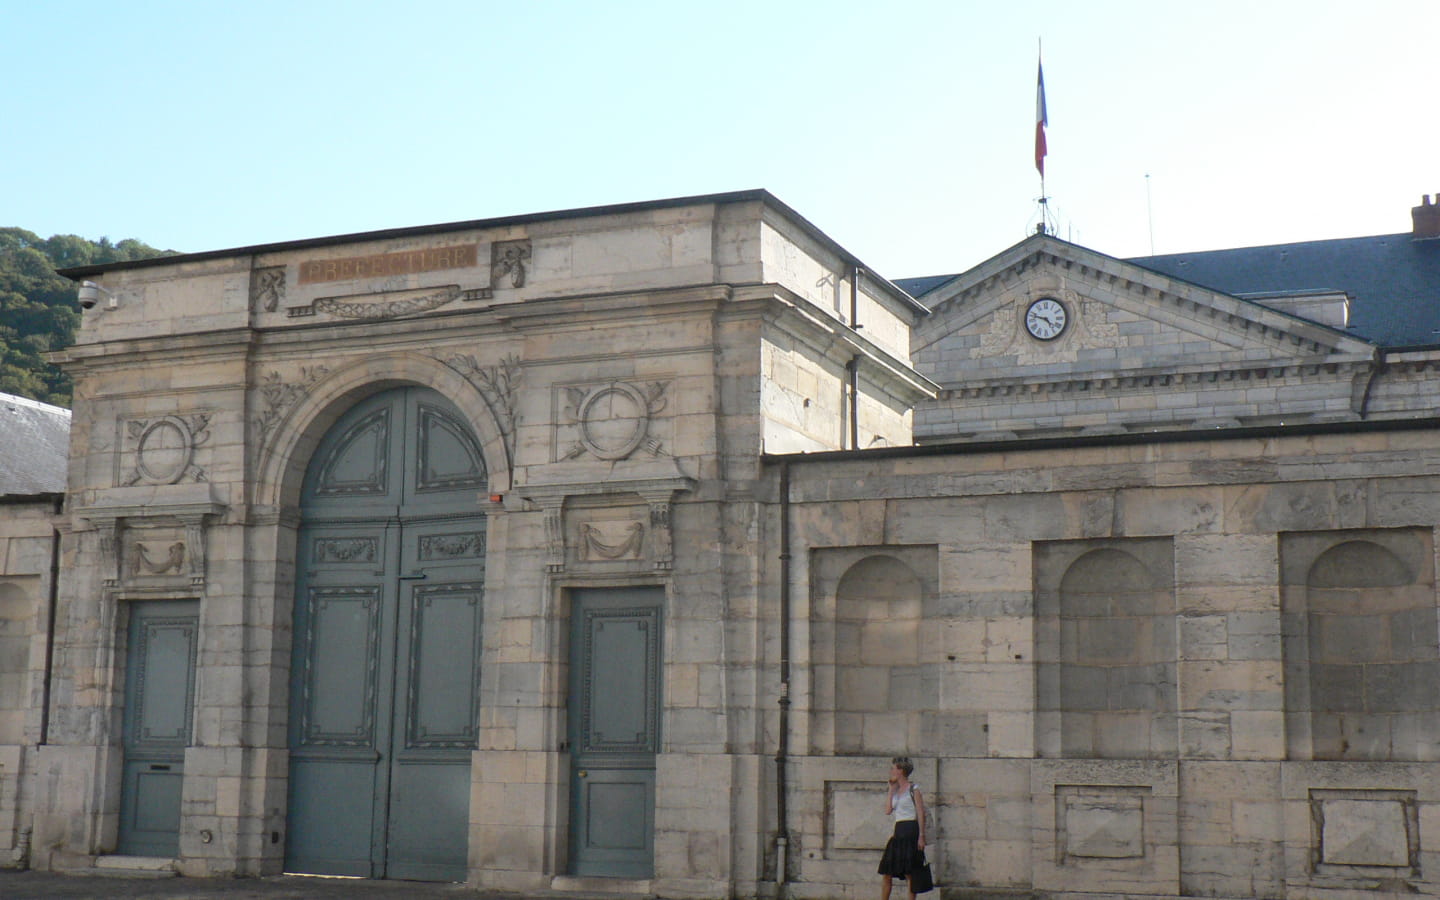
(618, 549)
(34, 437)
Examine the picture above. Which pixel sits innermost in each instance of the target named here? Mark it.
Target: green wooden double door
(386, 664)
(387, 635)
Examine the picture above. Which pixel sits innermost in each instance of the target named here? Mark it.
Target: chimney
(1426, 217)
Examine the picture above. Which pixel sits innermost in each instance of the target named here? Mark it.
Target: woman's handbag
(921, 881)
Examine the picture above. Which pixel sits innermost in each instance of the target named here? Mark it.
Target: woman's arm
(920, 817)
(889, 801)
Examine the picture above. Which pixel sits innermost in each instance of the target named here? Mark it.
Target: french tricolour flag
(1040, 119)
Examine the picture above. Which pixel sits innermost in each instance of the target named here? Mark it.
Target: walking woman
(904, 851)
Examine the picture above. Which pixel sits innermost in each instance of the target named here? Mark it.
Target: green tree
(38, 310)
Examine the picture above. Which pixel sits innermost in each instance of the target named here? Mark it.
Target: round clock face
(1046, 319)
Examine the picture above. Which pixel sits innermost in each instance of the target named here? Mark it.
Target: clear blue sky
(903, 129)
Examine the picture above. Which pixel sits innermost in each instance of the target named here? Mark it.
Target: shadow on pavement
(51, 886)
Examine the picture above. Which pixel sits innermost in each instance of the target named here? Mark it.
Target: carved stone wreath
(614, 418)
(165, 448)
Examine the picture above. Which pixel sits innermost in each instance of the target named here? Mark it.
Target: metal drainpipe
(53, 603)
(1377, 368)
(852, 380)
(782, 750)
(852, 368)
(855, 296)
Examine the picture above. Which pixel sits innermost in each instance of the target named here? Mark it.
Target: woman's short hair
(904, 764)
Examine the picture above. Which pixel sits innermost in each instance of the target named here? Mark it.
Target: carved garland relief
(619, 535)
(143, 559)
(156, 557)
(611, 540)
(346, 550)
(389, 305)
(463, 545)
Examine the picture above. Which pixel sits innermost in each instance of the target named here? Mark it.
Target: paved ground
(45, 885)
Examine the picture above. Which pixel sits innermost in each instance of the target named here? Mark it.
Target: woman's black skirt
(902, 851)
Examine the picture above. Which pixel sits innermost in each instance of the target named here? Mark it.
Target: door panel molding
(341, 651)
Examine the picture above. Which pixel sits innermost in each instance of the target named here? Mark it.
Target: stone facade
(1152, 602)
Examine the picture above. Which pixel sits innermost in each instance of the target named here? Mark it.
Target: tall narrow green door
(614, 730)
(159, 713)
(386, 663)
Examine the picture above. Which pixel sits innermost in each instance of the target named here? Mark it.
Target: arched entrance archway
(389, 580)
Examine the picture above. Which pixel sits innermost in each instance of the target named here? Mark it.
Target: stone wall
(27, 535)
(1164, 671)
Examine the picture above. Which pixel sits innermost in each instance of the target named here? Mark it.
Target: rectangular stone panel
(1100, 821)
(855, 818)
(1369, 829)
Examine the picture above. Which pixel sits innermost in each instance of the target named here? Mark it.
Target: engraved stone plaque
(384, 265)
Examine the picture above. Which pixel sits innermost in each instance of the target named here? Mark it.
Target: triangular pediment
(1103, 329)
(1143, 318)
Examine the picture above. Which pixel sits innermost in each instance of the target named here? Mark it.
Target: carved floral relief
(498, 384)
(267, 288)
(277, 395)
(509, 260)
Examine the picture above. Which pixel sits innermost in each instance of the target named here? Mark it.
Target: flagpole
(1041, 150)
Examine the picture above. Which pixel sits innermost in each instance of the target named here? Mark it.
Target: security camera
(89, 295)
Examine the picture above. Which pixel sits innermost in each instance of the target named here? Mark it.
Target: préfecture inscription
(385, 265)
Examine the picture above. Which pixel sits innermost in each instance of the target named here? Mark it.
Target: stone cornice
(840, 344)
(546, 493)
(560, 312)
(171, 501)
(106, 354)
(1151, 379)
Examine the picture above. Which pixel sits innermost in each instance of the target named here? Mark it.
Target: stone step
(130, 867)
(580, 887)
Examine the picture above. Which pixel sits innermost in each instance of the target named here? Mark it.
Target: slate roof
(34, 446)
(924, 285)
(1393, 281)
